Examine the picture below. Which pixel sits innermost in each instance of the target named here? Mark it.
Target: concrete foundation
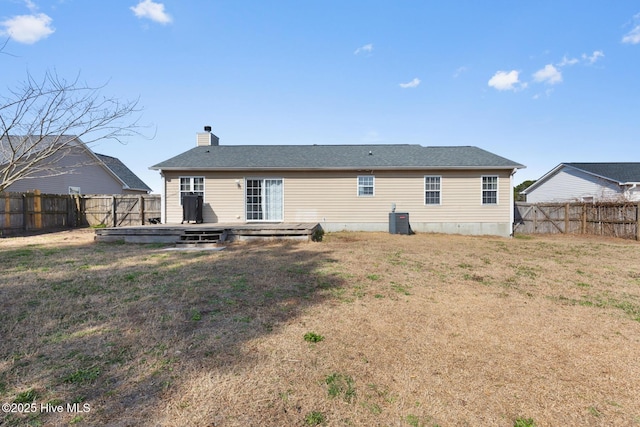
(468, 228)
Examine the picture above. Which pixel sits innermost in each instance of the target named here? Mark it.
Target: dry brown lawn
(422, 330)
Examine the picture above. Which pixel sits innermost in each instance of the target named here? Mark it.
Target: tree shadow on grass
(115, 326)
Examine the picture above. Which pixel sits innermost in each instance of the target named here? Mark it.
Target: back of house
(461, 189)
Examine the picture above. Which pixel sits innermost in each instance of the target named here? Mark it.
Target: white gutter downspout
(512, 202)
(163, 200)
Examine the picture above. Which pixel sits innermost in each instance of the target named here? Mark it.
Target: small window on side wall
(489, 190)
(432, 190)
(366, 186)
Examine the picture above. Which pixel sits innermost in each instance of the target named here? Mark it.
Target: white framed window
(366, 186)
(489, 190)
(263, 199)
(74, 190)
(191, 185)
(432, 190)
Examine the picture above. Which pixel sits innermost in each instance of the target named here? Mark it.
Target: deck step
(204, 237)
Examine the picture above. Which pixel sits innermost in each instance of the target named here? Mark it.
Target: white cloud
(30, 5)
(597, 54)
(151, 10)
(413, 83)
(459, 71)
(367, 48)
(503, 80)
(549, 74)
(633, 36)
(547, 93)
(27, 29)
(567, 61)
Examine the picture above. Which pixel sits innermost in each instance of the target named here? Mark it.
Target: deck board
(170, 233)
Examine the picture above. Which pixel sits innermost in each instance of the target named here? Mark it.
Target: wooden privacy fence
(613, 219)
(120, 210)
(20, 212)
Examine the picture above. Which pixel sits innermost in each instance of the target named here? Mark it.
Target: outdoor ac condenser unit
(399, 223)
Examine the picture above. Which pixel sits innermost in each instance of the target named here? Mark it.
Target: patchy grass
(313, 337)
(425, 330)
(339, 385)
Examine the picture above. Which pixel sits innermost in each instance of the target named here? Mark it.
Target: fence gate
(120, 210)
(603, 219)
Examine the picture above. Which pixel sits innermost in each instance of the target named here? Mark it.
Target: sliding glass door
(263, 199)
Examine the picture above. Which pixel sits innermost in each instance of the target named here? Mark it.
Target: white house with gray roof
(587, 182)
(463, 190)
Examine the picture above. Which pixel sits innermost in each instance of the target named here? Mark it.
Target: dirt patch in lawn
(359, 329)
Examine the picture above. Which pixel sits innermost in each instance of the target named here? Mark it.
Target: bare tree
(42, 121)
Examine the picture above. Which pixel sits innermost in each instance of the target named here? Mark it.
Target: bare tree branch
(42, 121)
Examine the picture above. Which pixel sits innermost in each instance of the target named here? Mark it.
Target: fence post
(37, 209)
(77, 222)
(114, 210)
(141, 208)
(566, 218)
(638, 221)
(25, 215)
(7, 211)
(583, 227)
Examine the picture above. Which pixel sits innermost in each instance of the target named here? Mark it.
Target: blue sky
(539, 82)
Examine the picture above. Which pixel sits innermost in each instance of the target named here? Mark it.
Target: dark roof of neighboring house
(396, 156)
(125, 174)
(20, 144)
(622, 173)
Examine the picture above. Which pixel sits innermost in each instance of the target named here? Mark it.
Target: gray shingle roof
(20, 144)
(619, 172)
(396, 156)
(130, 179)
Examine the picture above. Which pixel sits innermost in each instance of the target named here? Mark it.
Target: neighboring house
(462, 190)
(78, 170)
(131, 183)
(587, 182)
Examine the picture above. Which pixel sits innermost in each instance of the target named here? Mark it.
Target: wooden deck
(171, 233)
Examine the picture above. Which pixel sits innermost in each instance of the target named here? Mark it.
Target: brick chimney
(206, 138)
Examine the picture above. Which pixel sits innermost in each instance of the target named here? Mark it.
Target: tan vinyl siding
(331, 196)
(334, 199)
(223, 198)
